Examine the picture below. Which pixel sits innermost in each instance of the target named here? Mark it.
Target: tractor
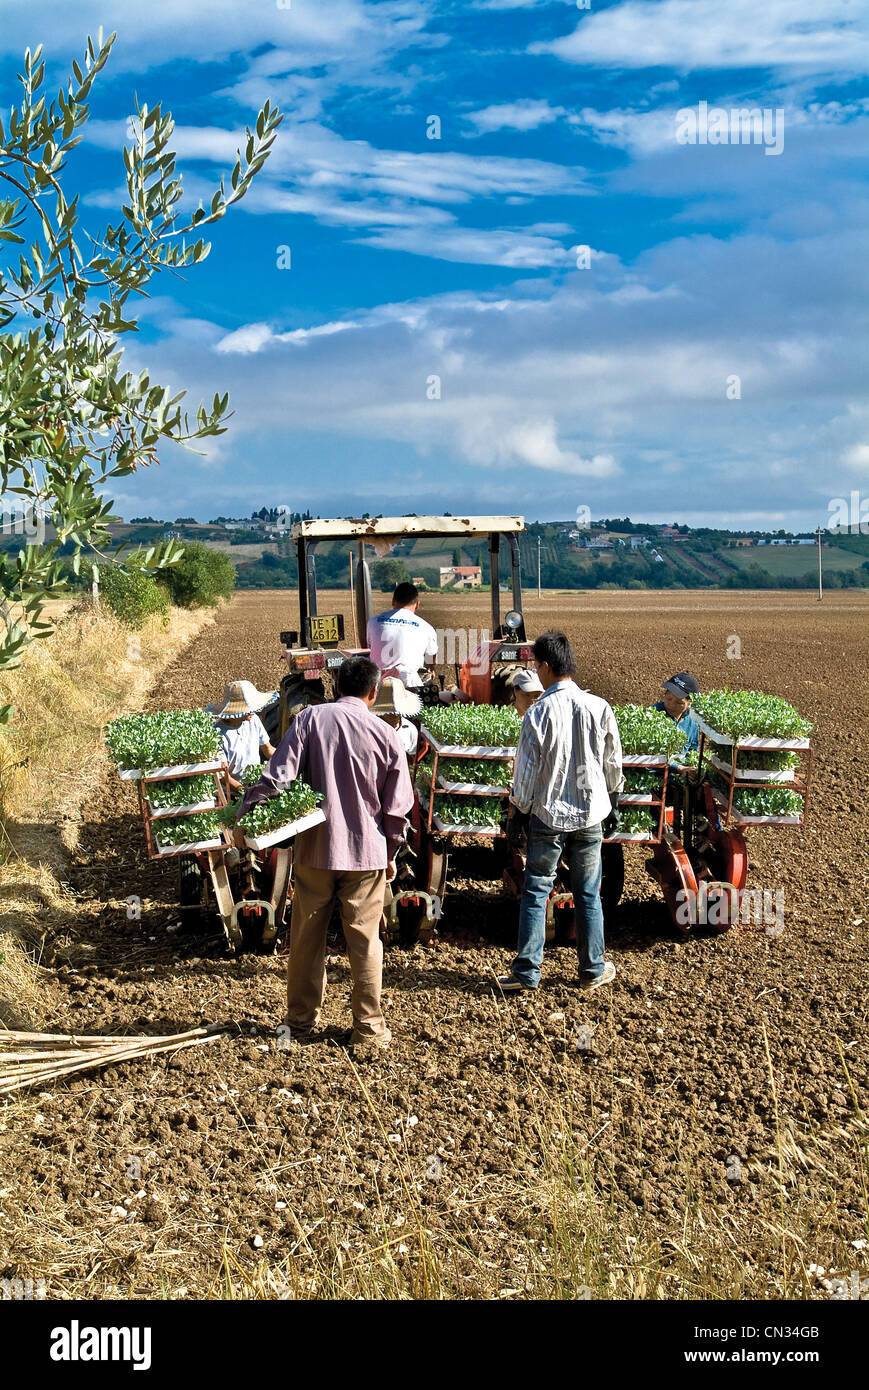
(318, 647)
(483, 669)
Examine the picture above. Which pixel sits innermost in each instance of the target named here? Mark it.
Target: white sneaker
(606, 976)
(509, 984)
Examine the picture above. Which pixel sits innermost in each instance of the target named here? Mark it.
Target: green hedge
(201, 577)
(132, 595)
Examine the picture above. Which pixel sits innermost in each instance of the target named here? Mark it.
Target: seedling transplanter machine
(692, 819)
(745, 780)
(694, 830)
(185, 808)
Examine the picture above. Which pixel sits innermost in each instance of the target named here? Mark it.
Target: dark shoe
(511, 984)
(606, 976)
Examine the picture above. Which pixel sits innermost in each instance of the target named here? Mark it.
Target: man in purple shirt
(358, 763)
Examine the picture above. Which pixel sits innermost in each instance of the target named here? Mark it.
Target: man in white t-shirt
(400, 640)
(242, 732)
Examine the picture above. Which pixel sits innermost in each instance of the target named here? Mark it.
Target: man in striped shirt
(566, 782)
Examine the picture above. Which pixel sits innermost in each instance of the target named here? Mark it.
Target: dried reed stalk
(40, 1062)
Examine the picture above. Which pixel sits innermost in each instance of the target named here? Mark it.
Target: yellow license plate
(325, 629)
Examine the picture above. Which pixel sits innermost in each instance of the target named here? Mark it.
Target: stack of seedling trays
(467, 775)
(649, 740)
(176, 759)
(758, 756)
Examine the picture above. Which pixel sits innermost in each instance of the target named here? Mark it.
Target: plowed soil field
(710, 1143)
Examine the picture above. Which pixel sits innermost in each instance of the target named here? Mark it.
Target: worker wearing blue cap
(678, 692)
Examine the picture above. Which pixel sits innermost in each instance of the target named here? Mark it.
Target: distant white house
(636, 541)
(461, 576)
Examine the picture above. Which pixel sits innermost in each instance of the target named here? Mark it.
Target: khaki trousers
(360, 899)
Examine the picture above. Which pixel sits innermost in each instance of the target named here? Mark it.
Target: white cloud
(532, 443)
(253, 337)
(519, 4)
(648, 132)
(250, 338)
(513, 249)
(393, 195)
(641, 132)
(705, 34)
(857, 456)
(307, 35)
(515, 115)
(310, 156)
(615, 378)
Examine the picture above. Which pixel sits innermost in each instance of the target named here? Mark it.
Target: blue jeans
(581, 850)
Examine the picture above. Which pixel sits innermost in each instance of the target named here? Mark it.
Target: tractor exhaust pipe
(362, 596)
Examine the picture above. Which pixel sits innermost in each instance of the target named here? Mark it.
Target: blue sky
(560, 386)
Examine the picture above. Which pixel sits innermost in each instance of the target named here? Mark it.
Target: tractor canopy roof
(394, 527)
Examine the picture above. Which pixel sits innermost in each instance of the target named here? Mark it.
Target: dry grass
(574, 1243)
(51, 754)
(64, 691)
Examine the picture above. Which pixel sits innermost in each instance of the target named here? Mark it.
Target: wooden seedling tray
(285, 832)
(446, 828)
(193, 847)
(470, 788)
(739, 818)
(467, 750)
(752, 774)
(161, 774)
(757, 743)
(163, 812)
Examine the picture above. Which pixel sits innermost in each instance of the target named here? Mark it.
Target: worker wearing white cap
(526, 690)
(242, 732)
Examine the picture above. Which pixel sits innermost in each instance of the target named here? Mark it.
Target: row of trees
(199, 579)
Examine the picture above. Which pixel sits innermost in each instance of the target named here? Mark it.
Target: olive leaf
(71, 419)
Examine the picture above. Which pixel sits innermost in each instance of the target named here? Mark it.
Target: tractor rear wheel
(295, 695)
(612, 883)
(271, 718)
(190, 886)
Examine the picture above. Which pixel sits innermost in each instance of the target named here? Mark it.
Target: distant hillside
(611, 553)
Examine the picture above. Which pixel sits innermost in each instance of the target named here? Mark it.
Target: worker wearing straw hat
(242, 732)
(394, 704)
